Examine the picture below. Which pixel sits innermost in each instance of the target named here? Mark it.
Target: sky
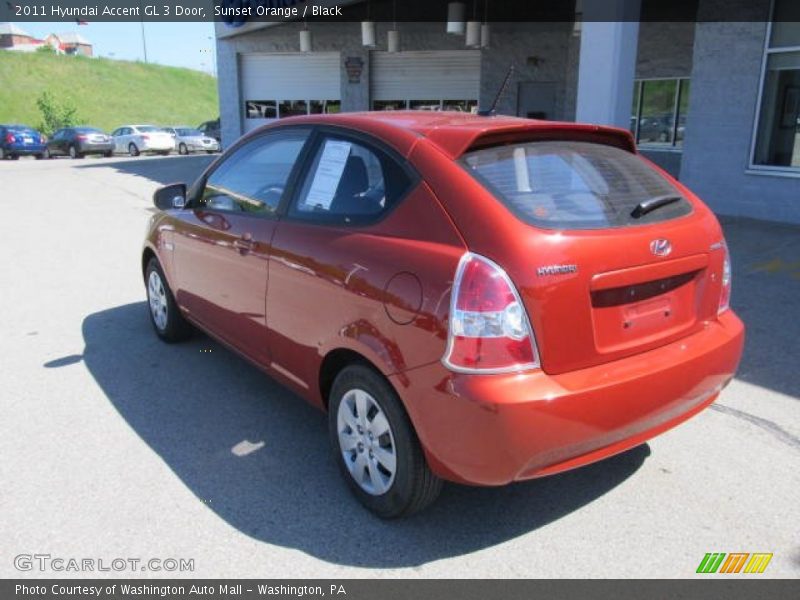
(179, 44)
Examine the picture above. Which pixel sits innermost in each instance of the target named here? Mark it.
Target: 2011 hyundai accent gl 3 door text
(474, 299)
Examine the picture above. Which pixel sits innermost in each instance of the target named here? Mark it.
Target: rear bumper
(194, 147)
(25, 150)
(494, 429)
(89, 148)
(157, 146)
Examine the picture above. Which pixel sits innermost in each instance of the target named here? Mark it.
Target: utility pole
(144, 43)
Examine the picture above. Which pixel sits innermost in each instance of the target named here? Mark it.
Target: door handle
(244, 244)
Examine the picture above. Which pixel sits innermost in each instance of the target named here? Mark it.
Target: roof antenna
(491, 111)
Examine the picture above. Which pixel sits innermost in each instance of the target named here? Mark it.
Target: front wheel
(108, 154)
(165, 315)
(376, 446)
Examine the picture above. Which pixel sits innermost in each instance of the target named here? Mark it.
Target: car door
(222, 240)
(67, 138)
(54, 143)
(117, 137)
(329, 263)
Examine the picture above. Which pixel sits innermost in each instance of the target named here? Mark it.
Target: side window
(252, 180)
(349, 182)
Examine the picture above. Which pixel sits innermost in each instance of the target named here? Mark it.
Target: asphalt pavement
(115, 445)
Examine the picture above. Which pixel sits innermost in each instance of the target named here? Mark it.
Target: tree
(56, 115)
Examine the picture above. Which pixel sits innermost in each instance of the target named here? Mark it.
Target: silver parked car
(189, 139)
(135, 139)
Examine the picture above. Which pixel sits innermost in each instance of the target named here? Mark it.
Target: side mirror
(170, 196)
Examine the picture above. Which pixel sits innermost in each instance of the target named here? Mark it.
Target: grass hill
(107, 93)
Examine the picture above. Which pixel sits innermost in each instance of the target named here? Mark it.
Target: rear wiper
(649, 205)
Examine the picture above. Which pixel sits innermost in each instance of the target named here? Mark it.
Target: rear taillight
(489, 330)
(725, 293)
(82, 137)
(145, 137)
(9, 138)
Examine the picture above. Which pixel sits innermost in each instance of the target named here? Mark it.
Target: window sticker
(328, 175)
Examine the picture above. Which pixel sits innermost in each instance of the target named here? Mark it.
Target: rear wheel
(182, 149)
(133, 150)
(108, 154)
(165, 315)
(3, 154)
(46, 153)
(73, 152)
(376, 447)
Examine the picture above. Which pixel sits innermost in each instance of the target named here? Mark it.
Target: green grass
(107, 93)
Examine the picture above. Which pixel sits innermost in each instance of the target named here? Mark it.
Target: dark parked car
(211, 129)
(20, 140)
(476, 299)
(77, 142)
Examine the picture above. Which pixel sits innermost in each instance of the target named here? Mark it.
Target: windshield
(87, 130)
(574, 185)
(188, 132)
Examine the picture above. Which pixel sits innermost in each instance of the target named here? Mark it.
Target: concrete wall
(665, 50)
(722, 113)
(542, 52)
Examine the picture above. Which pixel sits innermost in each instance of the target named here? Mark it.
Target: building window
(470, 106)
(658, 115)
(273, 109)
(777, 134)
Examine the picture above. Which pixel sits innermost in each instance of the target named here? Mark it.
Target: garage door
(283, 85)
(425, 80)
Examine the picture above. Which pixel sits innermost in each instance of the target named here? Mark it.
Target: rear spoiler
(455, 143)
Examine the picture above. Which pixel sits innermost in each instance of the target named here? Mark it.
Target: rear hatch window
(576, 185)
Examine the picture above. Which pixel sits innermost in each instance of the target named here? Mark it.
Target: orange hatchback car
(474, 299)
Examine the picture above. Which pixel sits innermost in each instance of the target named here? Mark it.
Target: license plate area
(643, 313)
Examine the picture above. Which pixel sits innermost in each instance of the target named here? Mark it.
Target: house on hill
(13, 37)
(70, 42)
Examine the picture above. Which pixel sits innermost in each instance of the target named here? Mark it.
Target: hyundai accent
(470, 298)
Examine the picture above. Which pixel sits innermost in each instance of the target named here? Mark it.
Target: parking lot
(117, 445)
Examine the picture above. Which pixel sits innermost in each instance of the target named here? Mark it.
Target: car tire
(3, 154)
(133, 150)
(376, 447)
(182, 149)
(210, 151)
(13, 156)
(165, 315)
(73, 152)
(46, 154)
(108, 154)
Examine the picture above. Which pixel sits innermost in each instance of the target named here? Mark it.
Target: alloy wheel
(366, 442)
(157, 297)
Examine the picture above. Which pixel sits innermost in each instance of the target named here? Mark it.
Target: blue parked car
(21, 140)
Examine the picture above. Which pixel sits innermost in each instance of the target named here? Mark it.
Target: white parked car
(189, 139)
(135, 139)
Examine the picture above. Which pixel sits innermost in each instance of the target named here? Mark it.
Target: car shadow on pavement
(766, 287)
(162, 170)
(258, 456)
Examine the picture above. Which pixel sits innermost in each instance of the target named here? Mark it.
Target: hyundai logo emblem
(660, 247)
